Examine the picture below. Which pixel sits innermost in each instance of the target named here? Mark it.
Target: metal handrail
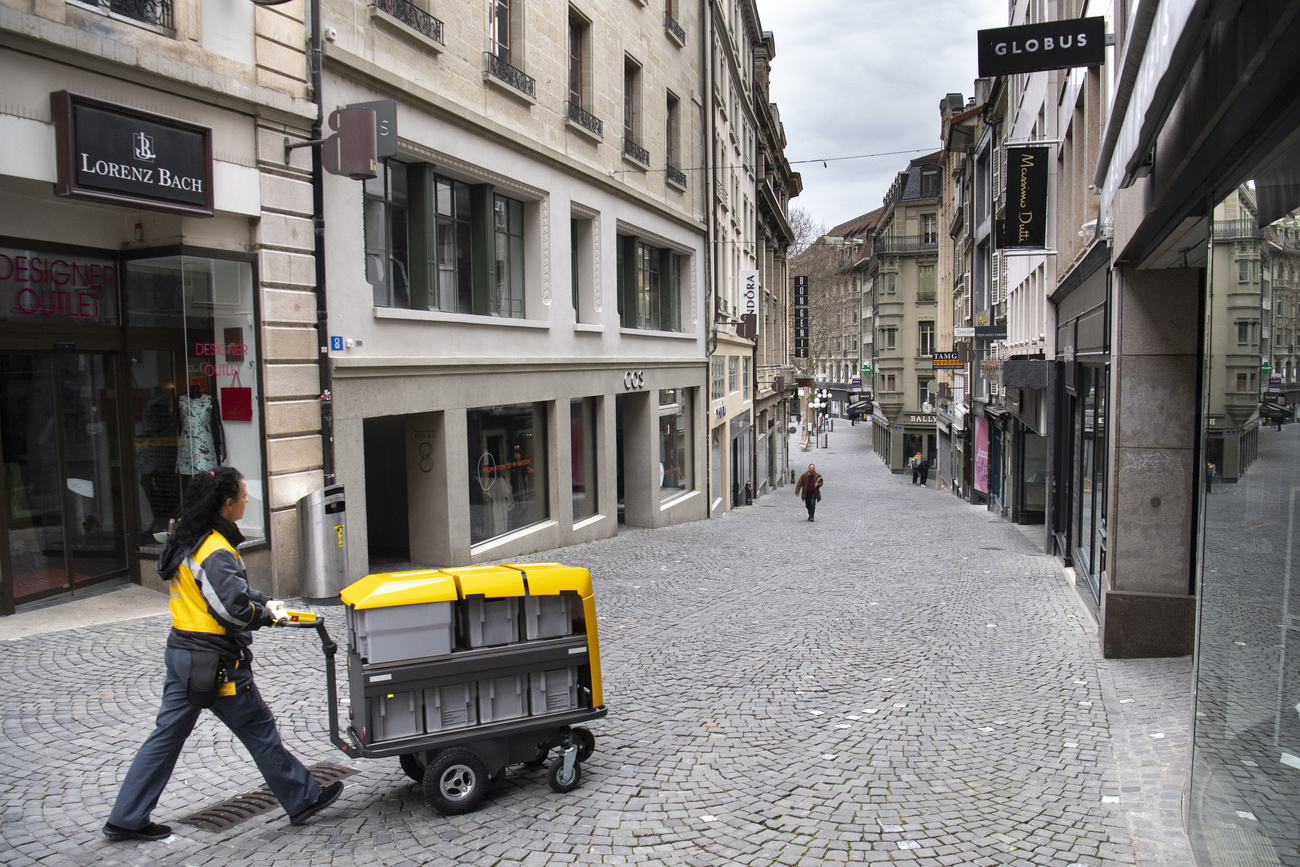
(584, 118)
(414, 17)
(157, 12)
(676, 175)
(635, 151)
(671, 25)
(516, 78)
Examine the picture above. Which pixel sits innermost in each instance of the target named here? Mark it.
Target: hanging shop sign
(801, 328)
(945, 360)
(1038, 47)
(991, 332)
(1026, 220)
(111, 153)
(748, 305)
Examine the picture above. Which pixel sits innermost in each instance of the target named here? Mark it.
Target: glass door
(62, 472)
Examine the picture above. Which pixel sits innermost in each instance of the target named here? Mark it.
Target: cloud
(857, 77)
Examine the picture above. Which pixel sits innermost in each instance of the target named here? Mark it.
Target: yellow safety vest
(189, 608)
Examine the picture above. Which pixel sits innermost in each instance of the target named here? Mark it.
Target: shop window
(507, 469)
(649, 285)
(192, 338)
(582, 439)
(676, 457)
(436, 243)
(717, 378)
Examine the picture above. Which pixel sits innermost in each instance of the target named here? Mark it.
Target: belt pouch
(205, 668)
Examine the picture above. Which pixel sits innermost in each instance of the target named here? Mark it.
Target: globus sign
(1038, 47)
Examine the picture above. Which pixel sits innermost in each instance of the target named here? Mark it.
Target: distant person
(924, 467)
(1209, 477)
(809, 489)
(209, 664)
(915, 464)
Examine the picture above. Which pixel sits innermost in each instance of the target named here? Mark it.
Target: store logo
(144, 147)
(633, 380)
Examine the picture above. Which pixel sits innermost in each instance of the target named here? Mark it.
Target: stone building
(157, 306)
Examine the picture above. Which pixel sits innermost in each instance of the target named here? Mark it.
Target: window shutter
(997, 278)
(997, 176)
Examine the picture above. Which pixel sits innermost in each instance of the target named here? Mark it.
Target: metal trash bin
(323, 544)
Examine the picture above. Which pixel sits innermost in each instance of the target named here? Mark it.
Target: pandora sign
(117, 154)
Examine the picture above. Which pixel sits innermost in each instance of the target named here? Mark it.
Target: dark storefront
(120, 379)
(1081, 452)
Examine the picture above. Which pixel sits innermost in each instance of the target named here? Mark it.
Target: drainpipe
(710, 259)
(318, 222)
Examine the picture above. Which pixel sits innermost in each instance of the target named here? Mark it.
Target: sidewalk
(907, 679)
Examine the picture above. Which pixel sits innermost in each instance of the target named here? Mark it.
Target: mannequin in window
(201, 447)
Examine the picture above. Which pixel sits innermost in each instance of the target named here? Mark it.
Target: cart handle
(311, 620)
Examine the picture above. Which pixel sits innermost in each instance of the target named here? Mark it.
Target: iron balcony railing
(584, 119)
(1229, 229)
(413, 17)
(676, 175)
(905, 244)
(635, 151)
(925, 294)
(157, 12)
(671, 25)
(516, 78)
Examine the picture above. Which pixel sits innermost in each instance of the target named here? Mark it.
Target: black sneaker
(152, 831)
(328, 795)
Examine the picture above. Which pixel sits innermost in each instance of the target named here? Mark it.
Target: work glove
(276, 609)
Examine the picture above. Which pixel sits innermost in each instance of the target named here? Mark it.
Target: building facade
(520, 292)
(157, 306)
(903, 274)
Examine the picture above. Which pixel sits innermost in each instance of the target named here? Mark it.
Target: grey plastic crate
(489, 622)
(553, 691)
(398, 632)
(502, 698)
(548, 616)
(450, 707)
(396, 716)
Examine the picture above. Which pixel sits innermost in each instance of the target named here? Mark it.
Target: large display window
(676, 455)
(507, 469)
(192, 342)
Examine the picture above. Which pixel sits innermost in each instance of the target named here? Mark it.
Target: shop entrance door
(63, 507)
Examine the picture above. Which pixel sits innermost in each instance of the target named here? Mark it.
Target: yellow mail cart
(461, 672)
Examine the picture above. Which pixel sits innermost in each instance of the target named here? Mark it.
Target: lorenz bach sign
(117, 154)
(1038, 47)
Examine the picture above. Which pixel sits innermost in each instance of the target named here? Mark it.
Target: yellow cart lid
(552, 579)
(490, 582)
(388, 589)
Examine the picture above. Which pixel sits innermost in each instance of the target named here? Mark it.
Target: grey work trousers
(244, 713)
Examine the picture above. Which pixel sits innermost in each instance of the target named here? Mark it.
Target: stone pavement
(904, 680)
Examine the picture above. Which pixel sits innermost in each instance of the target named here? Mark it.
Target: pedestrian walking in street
(209, 664)
(924, 467)
(915, 464)
(809, 488)
(1209, 477)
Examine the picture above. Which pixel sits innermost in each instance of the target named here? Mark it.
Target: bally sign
(117, 154)
(1036, 47)
(1026, 222)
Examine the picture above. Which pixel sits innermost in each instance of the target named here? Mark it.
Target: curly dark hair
(206, 494)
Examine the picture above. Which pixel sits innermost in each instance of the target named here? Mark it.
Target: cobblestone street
(905, 680)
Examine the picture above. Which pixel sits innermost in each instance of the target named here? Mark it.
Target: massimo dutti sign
(1038, 47)
(116, 154)
(1026, 220)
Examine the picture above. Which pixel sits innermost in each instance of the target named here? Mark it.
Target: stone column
(1147, 606)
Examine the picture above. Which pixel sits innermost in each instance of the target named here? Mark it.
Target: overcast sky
(865, 77)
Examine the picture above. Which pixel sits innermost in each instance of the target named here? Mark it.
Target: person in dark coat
(209, 664)
(809, 489)
(924, 467)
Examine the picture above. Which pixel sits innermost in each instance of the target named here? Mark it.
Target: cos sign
(633, 380)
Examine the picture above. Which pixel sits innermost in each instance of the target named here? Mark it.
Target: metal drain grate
(232, 811)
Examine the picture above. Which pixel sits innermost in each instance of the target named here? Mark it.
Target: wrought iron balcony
(413, 17)
(506, 73)
(675, 29)
(905, 244)
(1225, 230)
(585, 119)
(676, 175)
(157, 12)
(635, 151)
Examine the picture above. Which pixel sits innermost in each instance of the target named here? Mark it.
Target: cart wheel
(586, 742)
(456, 781)
(413, 764)
(561, 781)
